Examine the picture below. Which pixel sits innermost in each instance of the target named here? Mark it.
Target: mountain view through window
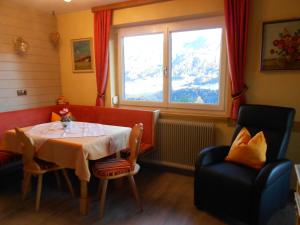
(194, 67)
(143, 65)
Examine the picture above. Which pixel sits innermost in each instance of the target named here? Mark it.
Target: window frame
(167, 29)
(135, 31)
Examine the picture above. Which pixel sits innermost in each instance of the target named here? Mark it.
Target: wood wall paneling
(10, 9)
(32, 91)
(29, 75)
(29, 58)
(23, 84)
(38, 70)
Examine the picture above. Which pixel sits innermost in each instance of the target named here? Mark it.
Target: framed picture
(82, 55)
(281, 45)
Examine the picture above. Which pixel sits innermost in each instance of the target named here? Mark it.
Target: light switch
(21, 92)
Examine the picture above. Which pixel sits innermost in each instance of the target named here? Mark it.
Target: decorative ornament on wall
(21, 46)
(54, 38)
(61, 100)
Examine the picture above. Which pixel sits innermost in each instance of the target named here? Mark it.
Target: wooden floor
(167, 200)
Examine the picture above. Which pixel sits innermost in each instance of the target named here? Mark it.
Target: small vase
(287, 60)
(65, 124)
(281, 61)
(291, 59)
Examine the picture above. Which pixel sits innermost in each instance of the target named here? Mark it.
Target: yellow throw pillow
(248, 151)
(55, 117)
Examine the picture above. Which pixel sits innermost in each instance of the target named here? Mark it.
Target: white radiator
(178, 142)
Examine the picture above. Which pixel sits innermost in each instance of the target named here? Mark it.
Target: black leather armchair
(241, 192)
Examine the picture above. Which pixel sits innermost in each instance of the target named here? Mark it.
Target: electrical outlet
(21, 92)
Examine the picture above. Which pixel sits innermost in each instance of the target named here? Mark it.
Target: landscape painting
(281, 45)
(82, 55)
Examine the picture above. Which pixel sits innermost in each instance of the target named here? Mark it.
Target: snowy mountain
(194, 71)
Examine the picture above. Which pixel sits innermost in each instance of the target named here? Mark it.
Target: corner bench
(108, 116)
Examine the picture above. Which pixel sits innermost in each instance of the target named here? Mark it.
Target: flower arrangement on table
(287, 47)
(66, 117)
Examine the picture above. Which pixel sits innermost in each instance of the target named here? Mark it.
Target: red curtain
(102, 23)
(236, 19)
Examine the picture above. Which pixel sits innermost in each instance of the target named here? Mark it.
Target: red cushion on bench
(117, 117)
(6, 157)
(145, 148)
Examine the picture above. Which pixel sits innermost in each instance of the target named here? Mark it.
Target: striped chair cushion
(125, 153)
(6, 157)
(112, 167)
(44, 165)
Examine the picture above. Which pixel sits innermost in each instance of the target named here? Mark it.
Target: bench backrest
(109, 116)
(117, 117)
(23, 118)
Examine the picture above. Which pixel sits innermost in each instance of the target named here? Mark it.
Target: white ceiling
(60, 6)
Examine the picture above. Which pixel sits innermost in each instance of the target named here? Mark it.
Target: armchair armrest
(272, 172)
(211, 155)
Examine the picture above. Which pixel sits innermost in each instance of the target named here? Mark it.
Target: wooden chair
(36, 167)
(115, 168)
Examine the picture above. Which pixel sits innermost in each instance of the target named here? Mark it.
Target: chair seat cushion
(44, 165)
(39, 166)
(112, 167)
(232, 172)
(125, 153)
(229, 184)
(6, 157)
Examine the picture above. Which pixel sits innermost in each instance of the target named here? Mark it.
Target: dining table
(72, 147)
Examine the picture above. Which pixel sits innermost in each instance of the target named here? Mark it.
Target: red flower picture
(281, 45)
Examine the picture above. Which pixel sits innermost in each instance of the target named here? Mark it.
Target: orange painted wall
(78, 88)
(276, 88)
(272, 87)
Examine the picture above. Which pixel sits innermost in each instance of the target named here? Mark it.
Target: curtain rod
(127, 4)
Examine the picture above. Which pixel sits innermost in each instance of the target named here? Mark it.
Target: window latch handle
(165, 71)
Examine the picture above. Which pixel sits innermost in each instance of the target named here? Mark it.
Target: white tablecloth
(76, 146)
(42, 132)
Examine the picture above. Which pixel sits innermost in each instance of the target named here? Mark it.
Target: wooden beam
(126, 4)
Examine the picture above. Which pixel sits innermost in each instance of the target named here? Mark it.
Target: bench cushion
(6, 157)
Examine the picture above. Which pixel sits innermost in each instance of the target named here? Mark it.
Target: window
(173, 65)
(143, 78)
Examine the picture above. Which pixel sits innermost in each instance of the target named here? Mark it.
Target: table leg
(297, 216)
(26, 184)
(84, 199)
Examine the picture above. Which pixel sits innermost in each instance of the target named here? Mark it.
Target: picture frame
(281, 45)
(82, 55)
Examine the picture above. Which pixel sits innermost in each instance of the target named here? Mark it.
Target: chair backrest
(28, 148)
(135, 141)
(276, 123)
